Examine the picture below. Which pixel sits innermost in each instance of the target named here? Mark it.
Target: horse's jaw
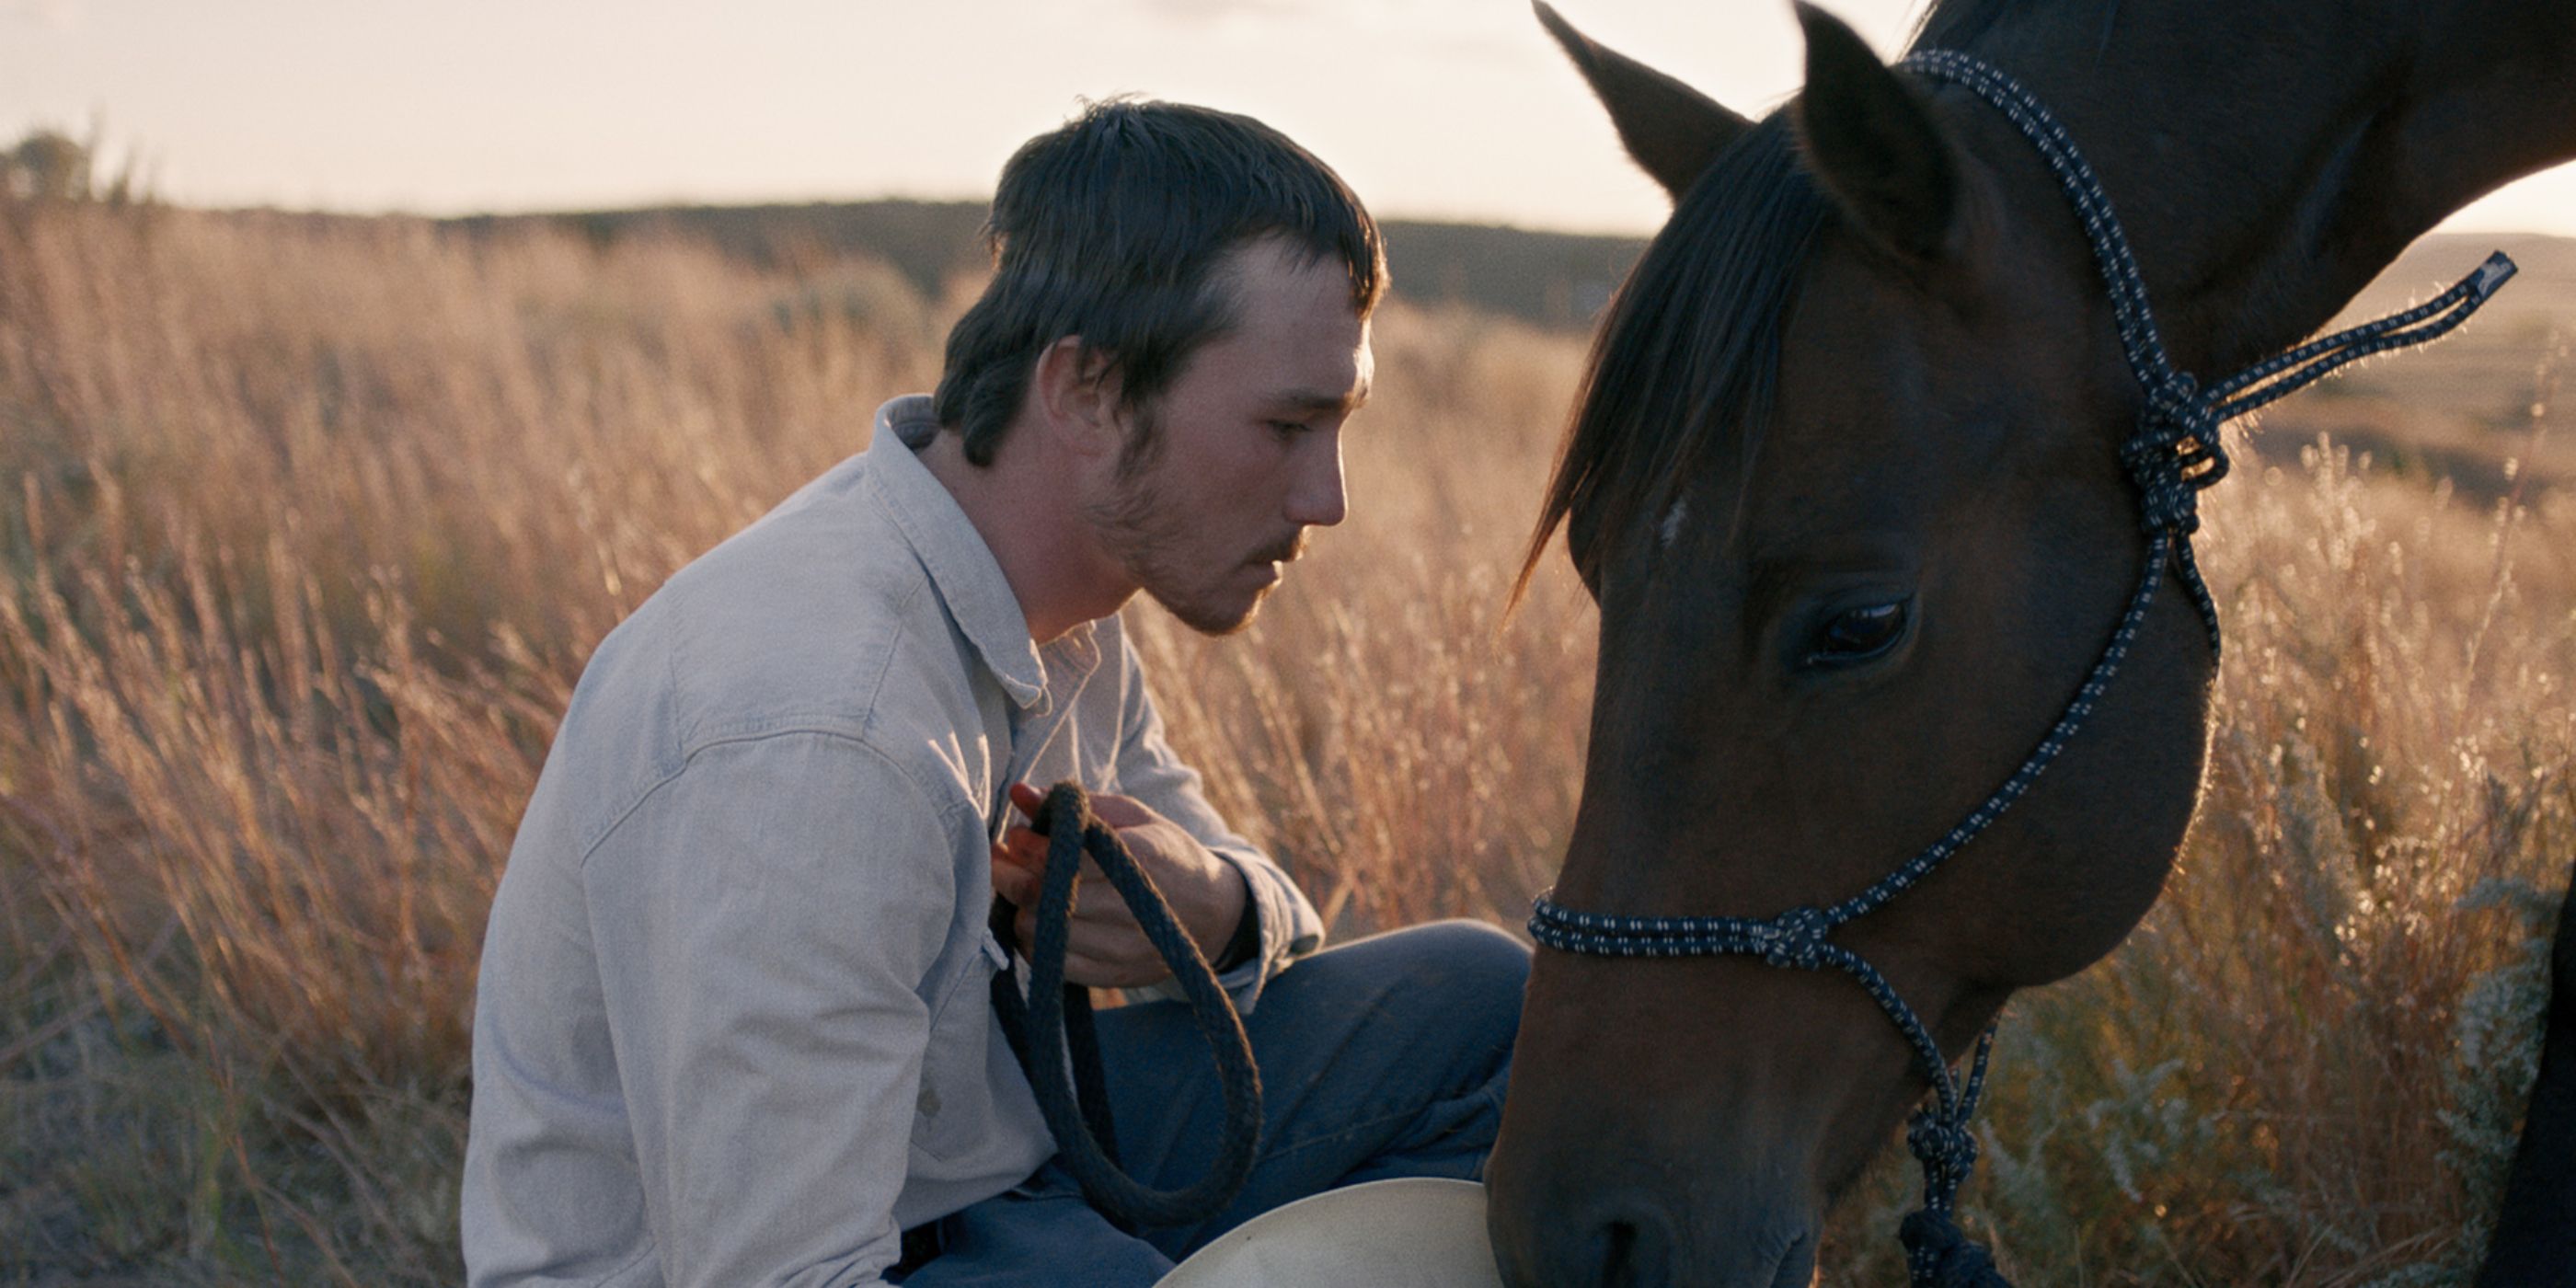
(1726, 1184)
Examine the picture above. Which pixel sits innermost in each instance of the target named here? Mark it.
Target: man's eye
(1857, 635)
(1287, 428)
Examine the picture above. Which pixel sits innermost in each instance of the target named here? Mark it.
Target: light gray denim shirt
(734, 1025)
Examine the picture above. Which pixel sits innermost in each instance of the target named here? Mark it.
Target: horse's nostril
(1798, 1266)
(1616, 1267)
(1634, 1255)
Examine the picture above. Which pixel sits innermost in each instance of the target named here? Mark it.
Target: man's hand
(1104, 946)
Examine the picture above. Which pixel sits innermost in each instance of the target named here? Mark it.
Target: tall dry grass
(310, 526)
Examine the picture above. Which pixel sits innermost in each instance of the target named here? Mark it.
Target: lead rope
(2175, 454)
(1057, 1016)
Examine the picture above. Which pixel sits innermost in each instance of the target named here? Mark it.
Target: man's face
(1245, 447)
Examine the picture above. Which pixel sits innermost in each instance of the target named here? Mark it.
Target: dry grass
(310, 526)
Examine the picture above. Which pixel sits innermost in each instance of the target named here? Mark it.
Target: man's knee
(1465, 974)
(1470, 955)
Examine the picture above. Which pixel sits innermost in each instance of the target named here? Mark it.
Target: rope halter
(2174, 455)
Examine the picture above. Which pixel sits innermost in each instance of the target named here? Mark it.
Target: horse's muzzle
(1547, 1236)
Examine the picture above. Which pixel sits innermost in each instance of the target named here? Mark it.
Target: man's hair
(1110, 228)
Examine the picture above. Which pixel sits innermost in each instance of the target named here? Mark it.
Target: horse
(1857, 479)
(2535, 1238)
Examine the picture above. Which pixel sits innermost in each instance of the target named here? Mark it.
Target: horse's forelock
(1690, 351)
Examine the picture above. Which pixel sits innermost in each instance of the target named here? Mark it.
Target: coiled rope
(1058, 1047)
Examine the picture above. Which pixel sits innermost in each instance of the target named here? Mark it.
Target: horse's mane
(1956, 24)
(1690, 351)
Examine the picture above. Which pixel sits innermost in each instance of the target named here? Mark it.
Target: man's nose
(1316, 497)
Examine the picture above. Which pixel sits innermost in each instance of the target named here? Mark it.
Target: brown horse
(1846, 482)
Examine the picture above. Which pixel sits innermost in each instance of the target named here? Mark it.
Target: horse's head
(1845, 483)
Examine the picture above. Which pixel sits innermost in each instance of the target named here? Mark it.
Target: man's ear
(1077, 398)
(1671, 130)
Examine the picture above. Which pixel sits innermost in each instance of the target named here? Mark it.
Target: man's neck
(1023, 508)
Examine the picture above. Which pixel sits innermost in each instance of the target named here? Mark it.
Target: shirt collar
(961, 566)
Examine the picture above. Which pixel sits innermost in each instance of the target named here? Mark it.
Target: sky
(1439, 109)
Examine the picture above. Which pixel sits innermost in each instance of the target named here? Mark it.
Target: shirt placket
(1033, 729)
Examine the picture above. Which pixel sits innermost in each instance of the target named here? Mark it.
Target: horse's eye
(1858, 635)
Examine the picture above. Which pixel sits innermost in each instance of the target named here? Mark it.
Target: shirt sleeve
(765, 921)
(1150, 772)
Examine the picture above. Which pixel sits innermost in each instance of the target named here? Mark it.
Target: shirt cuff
(1246, 943)
(1286, 924)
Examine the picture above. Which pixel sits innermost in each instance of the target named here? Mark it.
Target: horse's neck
(2264, 188)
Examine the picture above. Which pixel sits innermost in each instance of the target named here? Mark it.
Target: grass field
(309, 525)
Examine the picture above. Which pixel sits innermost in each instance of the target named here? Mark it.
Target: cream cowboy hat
(1418, 1232)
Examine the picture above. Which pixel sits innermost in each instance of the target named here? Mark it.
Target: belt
(922, 1244)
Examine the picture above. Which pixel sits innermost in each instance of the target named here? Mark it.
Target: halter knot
(1795, 938)
(1937, 1140)
(1947, 1150)
(1939, 1254)
(2176, 454)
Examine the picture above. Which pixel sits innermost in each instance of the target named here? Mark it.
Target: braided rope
(2175, 454)
(1938, 1254)
(1075, 1103)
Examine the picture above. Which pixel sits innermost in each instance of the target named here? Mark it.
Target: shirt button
(929, 1103)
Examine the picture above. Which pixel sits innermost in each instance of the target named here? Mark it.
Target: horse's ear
(1672, 130)
(1873, 143)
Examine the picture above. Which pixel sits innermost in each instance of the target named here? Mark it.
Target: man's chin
(1212, 615)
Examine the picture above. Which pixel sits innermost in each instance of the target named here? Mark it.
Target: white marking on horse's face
(1671, 528)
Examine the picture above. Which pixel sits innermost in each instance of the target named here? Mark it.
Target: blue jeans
(1384, 1057)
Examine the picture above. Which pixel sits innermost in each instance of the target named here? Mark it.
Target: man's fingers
(1108, 945)
(1097, 957)
(1109, 807)
(1093, 974)
(1104, 947)
(1013, 882)
(1027, 851)
(1121, 811)
(1028, 800)
(1023, 847)
(1101, 908)
(1005, 853)
(1026, 926)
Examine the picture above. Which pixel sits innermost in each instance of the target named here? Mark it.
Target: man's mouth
(1285, 552)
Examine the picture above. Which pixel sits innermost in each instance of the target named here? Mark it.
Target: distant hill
(2461, 410)
(1551, 279)
(2479, 407)
(925, 240)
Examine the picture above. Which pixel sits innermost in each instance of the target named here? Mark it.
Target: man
(734, 1025)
